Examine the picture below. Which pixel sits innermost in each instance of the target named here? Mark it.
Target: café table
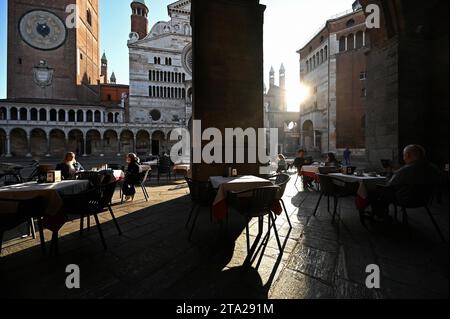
(366, 182)
(50, 191)
(311, 171)
(223, 185)
(182, 169)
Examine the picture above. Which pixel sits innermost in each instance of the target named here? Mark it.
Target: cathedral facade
(60, 97)
(161, 68)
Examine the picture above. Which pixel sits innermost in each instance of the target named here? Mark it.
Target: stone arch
(23, 114)
(34, 116)
(93, 142)
(110, 117)
(143, 143)
(19, 142)
(80, 116)
(3, 113)
(97, 117)
(61, 116)
(127, 141)
(158, 142)
(38, 142)
(57, 140)
(14, 114)
(308, 135)
(89, 116)
(72, 116)
(53, 115)
(43, 115)
(111, 142)
(3, 150)
(76, 142)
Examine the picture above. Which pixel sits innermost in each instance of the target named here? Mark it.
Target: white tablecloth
(51, 192)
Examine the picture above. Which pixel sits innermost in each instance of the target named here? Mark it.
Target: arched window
(71, 116)
(23, 114)
(110, 118)
(170, 61)
(326, 53)
(53, 115)
(14, 114)
(89, 116)
(33, 115)
(42, 115)
(183, 93)
(155, 60)
(342, 44)
(307, 66)
(321, 56)
(98, 117)
(350, 23)
(172, 93)
(150, 91)
(3, 113)
(183, 77)
(159, 60)
(80, 116)
(61, 116)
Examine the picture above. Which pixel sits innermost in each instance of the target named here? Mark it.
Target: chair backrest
(414, 196)
(200, 192)
(281, 181)
(94, 177)
(326, 185)
(261, 201)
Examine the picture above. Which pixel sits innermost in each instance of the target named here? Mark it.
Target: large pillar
(228, 39)
(29, 144)
(8, 145)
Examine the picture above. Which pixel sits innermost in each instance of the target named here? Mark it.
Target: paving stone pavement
(154, 258)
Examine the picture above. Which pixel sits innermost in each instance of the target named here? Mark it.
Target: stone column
(29, 145)
(48, 147)
(8, 114)
(8, 145)
(84, 145)
(346, 43)
(354, 41)
(238, 104)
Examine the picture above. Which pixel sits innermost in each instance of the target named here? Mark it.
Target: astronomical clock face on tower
(187, 58)
(42, 30)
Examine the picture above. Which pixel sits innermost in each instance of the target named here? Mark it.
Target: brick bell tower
(139, 18)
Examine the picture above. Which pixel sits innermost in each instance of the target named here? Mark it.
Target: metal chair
(281, 181)
(140, 182)
(92, 203)
(164, 167)
(202, 195)
(413, 197)
(26, 210)
(336, 188)
(258, 203)
(95, 178)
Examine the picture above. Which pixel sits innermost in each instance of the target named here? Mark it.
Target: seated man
(417, 171)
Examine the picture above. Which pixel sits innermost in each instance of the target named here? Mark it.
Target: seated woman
(282, 166)
(332, 161)
(131, 177)
(69, 167)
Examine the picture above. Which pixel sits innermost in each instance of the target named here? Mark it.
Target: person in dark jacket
(416, 172)
(299, 162)
(131, 177)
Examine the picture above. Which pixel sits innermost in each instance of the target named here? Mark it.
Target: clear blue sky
(288, 25)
